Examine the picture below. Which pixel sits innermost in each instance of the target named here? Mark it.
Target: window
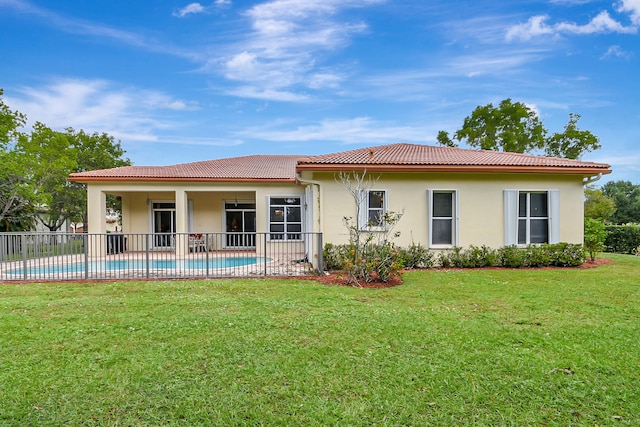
(285, 218)
(443, 218)
(373, 208)
(532, 217)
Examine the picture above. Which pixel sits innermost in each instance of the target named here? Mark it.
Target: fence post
(23, 241)
(264, 255)
(85, 242)
(320, 253)
(146, 245)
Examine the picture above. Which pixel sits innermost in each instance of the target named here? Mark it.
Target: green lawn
(474, 347)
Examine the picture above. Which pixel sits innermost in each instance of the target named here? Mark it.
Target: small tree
(595, 234)
(372, 255)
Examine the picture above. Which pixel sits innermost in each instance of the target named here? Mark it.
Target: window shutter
(554, 216)
(456, 218)
(363, 215)
(510, 217)
(429, 217)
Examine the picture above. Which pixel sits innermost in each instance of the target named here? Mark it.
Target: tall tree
(627, 200)
(49, 159)
(572, 142)
(514, 127)
(94, 151)
(16, 204)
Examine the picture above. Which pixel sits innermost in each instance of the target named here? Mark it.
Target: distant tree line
(35, 167)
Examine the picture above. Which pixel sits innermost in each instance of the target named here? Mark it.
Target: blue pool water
(117, 265)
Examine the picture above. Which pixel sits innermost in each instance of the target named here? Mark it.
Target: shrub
(595, 234)
(566, 254)
(416, 256)
(335, 256)
(537, 256)
(622, 239)
(511, 257)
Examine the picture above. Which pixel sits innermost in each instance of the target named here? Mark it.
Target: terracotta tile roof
(394, 157)
(248, 168)
(424, 157)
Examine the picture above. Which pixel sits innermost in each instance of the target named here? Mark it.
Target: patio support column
(182, 218)
(96, 211)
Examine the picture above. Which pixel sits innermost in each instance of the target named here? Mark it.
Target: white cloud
(359, 130)
(537, 26)
(192, 8)
(267, 94)
(617, 52)
(222, 3)
(282, 53)
(99, 106)
(633, 8)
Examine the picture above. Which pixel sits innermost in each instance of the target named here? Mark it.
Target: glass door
(164, 224)
(240, 219)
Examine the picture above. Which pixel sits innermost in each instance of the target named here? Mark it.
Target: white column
(96, 212)
(182, 221)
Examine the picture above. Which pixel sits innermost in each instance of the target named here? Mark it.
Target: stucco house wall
(481, 204)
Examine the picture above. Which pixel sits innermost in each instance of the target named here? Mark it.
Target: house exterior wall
(481, 204)
(480, 196)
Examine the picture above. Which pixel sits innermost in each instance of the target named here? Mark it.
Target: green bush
(537, 256)
(622, 239)
(416, 256)
(511, 257)
(566, 255)
(379, 262)
(335, 256)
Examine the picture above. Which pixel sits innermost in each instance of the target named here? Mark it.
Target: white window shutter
(363, 201)
(510, 217)
(429, 217)
(554, 216)
(456, 218)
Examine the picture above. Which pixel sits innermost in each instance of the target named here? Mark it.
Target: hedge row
(623, 239)
(336, 257)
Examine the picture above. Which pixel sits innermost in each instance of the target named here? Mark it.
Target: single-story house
(448, 196)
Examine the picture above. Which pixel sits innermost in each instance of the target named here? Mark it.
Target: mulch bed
(340, 278)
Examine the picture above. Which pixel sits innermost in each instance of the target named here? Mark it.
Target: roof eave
(88, 179)
(456, 168)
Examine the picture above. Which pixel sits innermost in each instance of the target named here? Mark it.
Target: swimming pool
(128, 265)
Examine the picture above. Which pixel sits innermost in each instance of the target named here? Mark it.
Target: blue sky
(179, 81)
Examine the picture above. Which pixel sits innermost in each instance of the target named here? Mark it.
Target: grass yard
(475, 347)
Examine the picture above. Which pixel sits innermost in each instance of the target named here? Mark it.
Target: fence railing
(68, 256)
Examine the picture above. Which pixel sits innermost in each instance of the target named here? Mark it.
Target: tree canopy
(35, 168)
(516, 128)
(626, 197)
(597, 205)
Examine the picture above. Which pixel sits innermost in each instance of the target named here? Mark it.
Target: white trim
(363, 222)
(285, 232)
(455, 217)
(511, 215)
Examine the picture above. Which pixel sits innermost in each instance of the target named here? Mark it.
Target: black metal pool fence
(79, 256)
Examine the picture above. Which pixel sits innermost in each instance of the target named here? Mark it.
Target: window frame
(454, 218)
(512, 217)
(286, 235)
(365, 209)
